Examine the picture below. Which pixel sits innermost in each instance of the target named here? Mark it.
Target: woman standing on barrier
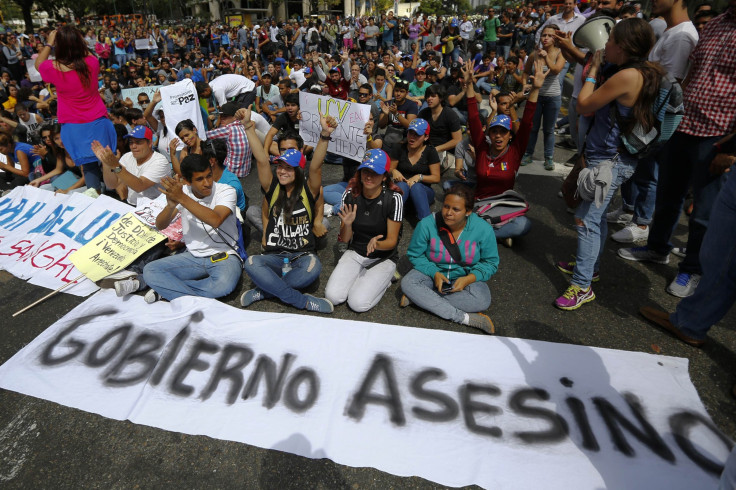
(81, 110)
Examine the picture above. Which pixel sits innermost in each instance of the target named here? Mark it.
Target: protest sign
(132, 93)
(492, 411)
(349, 138)
(145, 44)
(180, 102)
(115, 248)
(39, 230)
(147, 210)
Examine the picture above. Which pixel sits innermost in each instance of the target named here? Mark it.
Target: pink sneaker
(574, 297)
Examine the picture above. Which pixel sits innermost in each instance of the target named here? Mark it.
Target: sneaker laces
(572, 291)
(683, 278)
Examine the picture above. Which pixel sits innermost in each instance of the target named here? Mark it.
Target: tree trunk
(26, 9)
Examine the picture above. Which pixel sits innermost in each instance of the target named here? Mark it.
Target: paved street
(44, 445)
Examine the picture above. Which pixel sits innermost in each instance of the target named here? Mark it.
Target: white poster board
(457, 409)
(133, 93)
(349, 138)
(180, 102)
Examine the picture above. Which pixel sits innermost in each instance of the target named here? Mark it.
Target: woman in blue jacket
(453, 253)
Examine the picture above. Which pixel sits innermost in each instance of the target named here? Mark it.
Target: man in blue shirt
(388, 30)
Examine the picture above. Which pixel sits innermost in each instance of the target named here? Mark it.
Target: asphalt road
(44, 445)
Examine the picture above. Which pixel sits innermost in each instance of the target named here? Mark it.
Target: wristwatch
(117, 169)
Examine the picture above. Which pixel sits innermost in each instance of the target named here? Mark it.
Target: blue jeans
(716, 292)
(517, 227)
(120, 59)
(503, 50)
(186, 275)
(687, 160)
(333, 194)
(592, 233)
(463, 115)
(490, 46)
(419, 288)
(639, 194)
(545, 116)
(298, 50)
(92, 175)
(421, 197)
(484, 85)
(265, 272)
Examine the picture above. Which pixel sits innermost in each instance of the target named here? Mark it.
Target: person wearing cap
(238, 148)
(288, 120)
(337, 86)
(288, 215)
(297, 74)
(449, 40)
(371, 212)
(498, 157)
(415, 166)
(456, 97)
(396, 115)
(418, 87)
(451, 283)
(139, 170)
(267, 96)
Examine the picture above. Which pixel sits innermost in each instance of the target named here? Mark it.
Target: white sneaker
(126, 287)
(684, 285)
(328, 210)
(679, 252)
(151, 297)
(108, 282)
(630, 233)
(619, 216)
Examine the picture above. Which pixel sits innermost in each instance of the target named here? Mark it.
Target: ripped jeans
(593, 232)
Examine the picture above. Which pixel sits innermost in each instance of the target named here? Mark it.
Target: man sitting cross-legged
(210, 266)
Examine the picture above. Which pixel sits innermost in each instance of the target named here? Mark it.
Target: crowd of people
(456, 106)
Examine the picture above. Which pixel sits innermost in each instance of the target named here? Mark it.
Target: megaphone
(594, 33)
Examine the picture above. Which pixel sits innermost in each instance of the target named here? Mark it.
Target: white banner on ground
(457, 409)
(349, 138)
(40, 229)
(180, 102)
(132, 93)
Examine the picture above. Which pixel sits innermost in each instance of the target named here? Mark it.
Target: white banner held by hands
(349, 139)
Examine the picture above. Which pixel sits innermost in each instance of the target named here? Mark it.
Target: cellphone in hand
(447, 287)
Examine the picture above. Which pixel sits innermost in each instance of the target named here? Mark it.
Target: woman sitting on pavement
(371, 212)
(498, 157)
(416, 167)
(453, 253)
(187, 131)
(633, 89)
(21, 164)
(289, 262)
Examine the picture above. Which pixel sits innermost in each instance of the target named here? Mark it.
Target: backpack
(668, 110)
(499, 210)
(314, 38)
(303, 196)
(386, 196)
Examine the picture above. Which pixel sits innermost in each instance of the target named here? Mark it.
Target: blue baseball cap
(376, 160)
(501, 120)
(419, 126)
(293, 158)
(140, 132)
(453, 23)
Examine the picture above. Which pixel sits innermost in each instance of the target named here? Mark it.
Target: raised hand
(347, 214)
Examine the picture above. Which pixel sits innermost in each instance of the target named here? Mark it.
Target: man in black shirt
(396, 115)
(285, 121)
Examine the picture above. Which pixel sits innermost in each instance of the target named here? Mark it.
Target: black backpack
(314, 38)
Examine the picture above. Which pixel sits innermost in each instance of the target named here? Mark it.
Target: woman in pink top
(81, 110)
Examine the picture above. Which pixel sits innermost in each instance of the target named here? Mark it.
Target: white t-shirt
(465, 29)
(154, 169)
(229, 85)
(298, 77)
(673, 49)
(202, 240)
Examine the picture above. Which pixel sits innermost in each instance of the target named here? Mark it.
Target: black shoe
(566, 144)
(572, 160)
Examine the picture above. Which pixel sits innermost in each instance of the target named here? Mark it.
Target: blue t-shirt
(230, 179)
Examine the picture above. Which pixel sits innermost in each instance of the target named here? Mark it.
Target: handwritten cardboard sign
(349, 139)
(115, 248)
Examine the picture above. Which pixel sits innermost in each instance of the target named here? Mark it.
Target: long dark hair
(71, 49)
(286, 203)
(355, 185)
(636, 38)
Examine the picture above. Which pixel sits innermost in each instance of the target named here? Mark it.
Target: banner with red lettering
(40, 229)
(457, 409)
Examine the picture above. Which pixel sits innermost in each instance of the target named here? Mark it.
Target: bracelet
(421, 177)
(325, 138)
(369, 139)
(591, 80)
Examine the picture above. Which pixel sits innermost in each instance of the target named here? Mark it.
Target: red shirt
(710, 96)
(497, 175)
(77, 103)
(338, 90)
